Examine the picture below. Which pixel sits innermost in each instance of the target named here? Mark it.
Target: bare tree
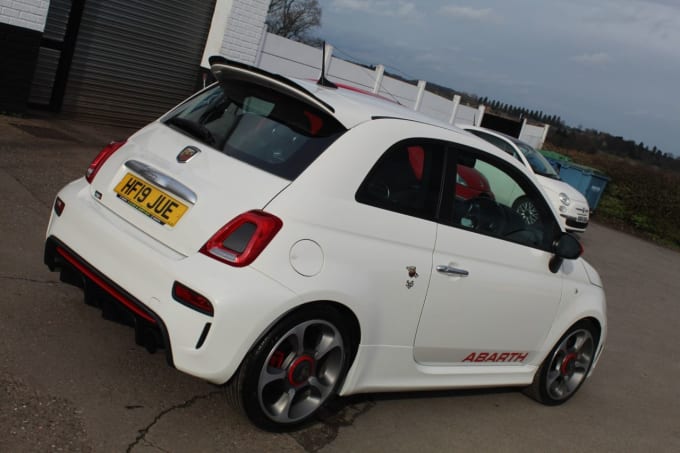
(293, 19)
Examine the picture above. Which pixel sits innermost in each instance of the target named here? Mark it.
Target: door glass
(406, 179)
(493, 198)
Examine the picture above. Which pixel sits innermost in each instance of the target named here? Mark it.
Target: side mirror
(566, 247)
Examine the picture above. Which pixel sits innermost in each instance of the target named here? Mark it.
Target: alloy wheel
(528, 212)
(301, 371)
(569, 364)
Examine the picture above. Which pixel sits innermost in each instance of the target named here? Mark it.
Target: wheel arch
(599, 340)
(586, 318)
(243, 389)
(559, 389)
(351, 323)
(595, 323)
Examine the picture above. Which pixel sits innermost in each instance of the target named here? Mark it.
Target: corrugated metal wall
(134, 59)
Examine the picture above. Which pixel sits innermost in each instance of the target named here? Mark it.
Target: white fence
(293, 59)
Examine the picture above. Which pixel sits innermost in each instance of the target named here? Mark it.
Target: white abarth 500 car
(297, 241)
(571, 205)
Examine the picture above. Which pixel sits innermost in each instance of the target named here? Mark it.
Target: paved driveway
(70, 381)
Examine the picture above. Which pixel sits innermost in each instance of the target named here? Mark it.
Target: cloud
(650, 25)
(671, 3)
(353, 5)
(432, 57)
(378, 7)
(406, 9)
(469, 13)
(593, 59)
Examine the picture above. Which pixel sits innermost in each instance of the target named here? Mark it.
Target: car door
(491, 298)
(397, 205)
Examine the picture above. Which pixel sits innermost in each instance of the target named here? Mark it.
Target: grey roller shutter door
(135, 59)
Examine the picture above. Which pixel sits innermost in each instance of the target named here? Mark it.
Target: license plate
(150, 200)
(582, 219)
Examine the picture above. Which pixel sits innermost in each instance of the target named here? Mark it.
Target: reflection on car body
(570, 203)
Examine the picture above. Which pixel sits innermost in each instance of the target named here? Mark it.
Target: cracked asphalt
(72, 381)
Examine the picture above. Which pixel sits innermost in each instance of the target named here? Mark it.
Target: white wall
(290, 58)
(404, 93)
(29, 14)
(245, 30)
(438, 107)
(533, 135)
(293, 59)
(351, 74)
(236, 31)
(467, 115)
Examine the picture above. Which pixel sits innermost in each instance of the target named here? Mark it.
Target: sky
(610, 65)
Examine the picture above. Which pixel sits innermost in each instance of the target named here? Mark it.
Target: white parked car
(570, 203)
(297, 241)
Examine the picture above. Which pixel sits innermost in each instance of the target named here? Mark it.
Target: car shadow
(345, 411)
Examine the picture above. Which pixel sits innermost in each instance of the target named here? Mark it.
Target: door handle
(448, 270)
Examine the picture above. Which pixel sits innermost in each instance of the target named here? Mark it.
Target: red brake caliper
(564, 369)
(276, 359)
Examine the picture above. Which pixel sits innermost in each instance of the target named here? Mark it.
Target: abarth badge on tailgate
(187, 153)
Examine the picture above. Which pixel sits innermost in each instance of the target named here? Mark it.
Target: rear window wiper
(195, 129)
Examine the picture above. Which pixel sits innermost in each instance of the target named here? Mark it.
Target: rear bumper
(106, 255)
(116, 303)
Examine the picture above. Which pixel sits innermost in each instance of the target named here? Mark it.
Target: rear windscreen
(258, 125)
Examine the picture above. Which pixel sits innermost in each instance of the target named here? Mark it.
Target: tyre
(526, 208)
(565, 369)
(293, 370)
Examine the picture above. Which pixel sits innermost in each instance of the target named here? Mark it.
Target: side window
(494, 199)
(406, 179)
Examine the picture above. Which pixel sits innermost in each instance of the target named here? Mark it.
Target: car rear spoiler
(225, 69)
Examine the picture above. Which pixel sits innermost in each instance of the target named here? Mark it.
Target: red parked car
(469, 182)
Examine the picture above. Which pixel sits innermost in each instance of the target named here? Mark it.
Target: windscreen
(258, 125)
(538, 163)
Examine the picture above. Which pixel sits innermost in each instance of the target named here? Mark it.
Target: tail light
(241, 240)
(98, 161)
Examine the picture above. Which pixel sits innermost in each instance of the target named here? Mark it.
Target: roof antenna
(323, 81)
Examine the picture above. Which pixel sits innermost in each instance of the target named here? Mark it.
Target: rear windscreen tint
(258, 125)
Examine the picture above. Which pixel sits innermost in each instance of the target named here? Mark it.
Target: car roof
(350, 106)
(353, 107)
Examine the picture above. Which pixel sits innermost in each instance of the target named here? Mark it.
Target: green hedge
(639, 198)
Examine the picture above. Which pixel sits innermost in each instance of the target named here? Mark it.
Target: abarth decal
(187, 153)
(496, 357)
